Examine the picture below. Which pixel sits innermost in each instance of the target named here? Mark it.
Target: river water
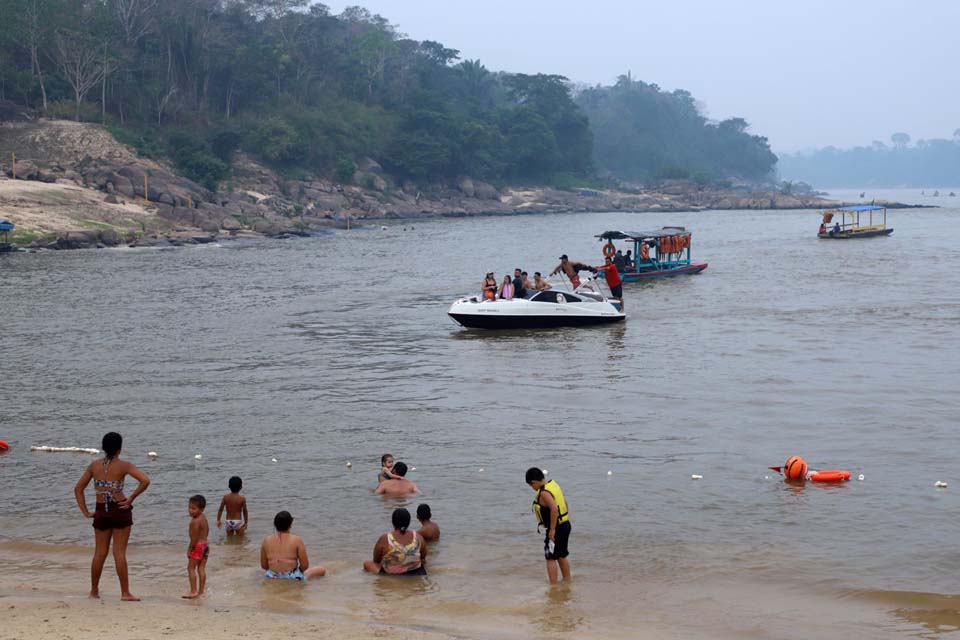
(320, 351)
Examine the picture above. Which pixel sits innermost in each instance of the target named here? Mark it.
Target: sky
(803, 73)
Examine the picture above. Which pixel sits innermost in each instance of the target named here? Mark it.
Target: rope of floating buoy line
(46, 449)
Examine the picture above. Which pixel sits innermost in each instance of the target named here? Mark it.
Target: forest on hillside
(926, 163)
(304, 90)
(677, 140)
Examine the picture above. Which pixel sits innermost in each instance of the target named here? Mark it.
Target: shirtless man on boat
(572, 270)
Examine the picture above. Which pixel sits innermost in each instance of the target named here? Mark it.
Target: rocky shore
(74, 186)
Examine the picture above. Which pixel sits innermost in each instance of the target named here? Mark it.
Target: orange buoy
(644, 251)
(795, 468)
(609, 250)
(4, 446)
(830, 475)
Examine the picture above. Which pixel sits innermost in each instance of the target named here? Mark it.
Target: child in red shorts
(199, 548)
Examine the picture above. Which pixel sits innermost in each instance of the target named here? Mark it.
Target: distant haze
(805, 74)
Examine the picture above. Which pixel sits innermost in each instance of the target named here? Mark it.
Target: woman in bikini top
(113, 515)
(283, 554)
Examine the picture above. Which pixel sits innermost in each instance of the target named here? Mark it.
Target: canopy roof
(643, 235)
(6, 225)
(859, 207)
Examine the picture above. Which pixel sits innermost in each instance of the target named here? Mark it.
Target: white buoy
(273, 459)
(152, 454)
(198, 457)
(609, 473)
(481, 470)
(349, 465)
(860, 477)
(766, 477)
(696, 476)
(545, 472)
(413, 468)
(939, 484)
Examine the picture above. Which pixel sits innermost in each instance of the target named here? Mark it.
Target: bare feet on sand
(190, 596)
(129, 597)
(94, 594)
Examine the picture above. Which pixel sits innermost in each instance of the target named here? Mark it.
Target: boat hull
(687, 269)
(846, 235)
(497, 321)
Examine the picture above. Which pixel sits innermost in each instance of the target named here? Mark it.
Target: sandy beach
(77, 618)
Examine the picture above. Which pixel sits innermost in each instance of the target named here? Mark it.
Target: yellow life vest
(553, 489)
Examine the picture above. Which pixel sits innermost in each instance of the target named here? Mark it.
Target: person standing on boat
(550, 507)
(519, 290)
(539, 283)
(572, 270)
(489, 287)
(612, 274)
(506, 289)
(620, 261)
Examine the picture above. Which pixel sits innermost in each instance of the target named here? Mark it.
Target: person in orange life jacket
(550, 507)
(612, 274)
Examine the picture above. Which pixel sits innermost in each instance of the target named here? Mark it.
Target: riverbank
(74, 186)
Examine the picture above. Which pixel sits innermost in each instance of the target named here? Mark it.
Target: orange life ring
(830, 475)
(644, 251)
(609, 250)
(4, 446)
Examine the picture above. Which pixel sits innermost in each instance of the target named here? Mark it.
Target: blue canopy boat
(5, 228)
(844, 230)
(665, 252)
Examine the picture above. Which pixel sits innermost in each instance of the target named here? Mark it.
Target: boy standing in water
(550, 507)
(236, 508)
(199, 548)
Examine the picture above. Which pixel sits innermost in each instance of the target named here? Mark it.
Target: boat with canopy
(5, 228)
(856, 221)
(658, 253)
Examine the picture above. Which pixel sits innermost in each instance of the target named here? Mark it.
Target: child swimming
(199, 548)
(386, 471)
(236, 508)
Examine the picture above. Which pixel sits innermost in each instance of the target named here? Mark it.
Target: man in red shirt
(612, 275)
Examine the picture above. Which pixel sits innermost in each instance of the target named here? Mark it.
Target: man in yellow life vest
(551, 510)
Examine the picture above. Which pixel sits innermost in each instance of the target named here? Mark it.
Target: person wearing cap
(572, 270)
(519, 290)
(489, 287)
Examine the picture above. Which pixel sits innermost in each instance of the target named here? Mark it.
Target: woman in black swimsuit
(113, 516)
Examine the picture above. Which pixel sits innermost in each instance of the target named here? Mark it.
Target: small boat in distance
(5, 228)
(655, 254)
(845, 229)
(543, 309)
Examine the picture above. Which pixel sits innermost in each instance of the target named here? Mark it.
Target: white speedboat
(550, 308)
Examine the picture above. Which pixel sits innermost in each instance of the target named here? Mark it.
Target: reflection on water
(304, 353)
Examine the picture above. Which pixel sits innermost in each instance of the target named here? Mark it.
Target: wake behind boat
(543, 309)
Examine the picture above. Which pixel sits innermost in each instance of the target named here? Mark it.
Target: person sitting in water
(401, 552)
(283, 555)
(397, 486)
(539, 283)
(506, 289)
(572, 270)
(489, 287)
(428, 528)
